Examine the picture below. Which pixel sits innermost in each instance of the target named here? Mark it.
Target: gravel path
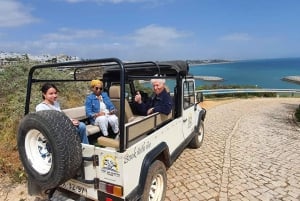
(251, 151)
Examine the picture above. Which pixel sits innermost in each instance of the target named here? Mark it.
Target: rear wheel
(49, 148)
(198, 138)
(156, 183)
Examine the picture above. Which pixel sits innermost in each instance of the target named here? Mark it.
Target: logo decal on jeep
(110, 166)
(137, 151)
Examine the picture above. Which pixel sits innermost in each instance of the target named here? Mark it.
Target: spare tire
(49, 148)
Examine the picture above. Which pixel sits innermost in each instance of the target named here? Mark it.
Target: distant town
(207, 61)
(9, 58)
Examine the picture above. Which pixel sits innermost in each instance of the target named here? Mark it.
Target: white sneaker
(117, 137)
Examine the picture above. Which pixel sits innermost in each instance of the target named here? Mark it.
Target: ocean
(263, 73)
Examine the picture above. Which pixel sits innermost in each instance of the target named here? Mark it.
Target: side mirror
(199, 96)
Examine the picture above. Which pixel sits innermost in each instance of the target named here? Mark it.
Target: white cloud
(72, 34)
(154, 35)
(14, 14)
(109, 1)
(150, 42)
(147, 3)
(236, 37)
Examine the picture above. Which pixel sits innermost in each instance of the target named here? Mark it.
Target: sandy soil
(13, 192)
(18, 192)
(207, 104)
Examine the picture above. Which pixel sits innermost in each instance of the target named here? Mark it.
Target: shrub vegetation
(297, 114)
(12, 97)
(13, 88)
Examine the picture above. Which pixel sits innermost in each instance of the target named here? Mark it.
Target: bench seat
(92, 129)
(145, 125)
(108, 142)
(136, 128)
(79, 114)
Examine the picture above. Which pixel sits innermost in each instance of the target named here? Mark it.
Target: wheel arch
(160, 152)
(201, 117)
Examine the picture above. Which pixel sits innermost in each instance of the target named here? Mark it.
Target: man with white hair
(161, 100)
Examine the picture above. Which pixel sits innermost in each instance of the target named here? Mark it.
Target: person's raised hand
(138, 97)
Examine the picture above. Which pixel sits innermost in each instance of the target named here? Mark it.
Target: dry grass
(210, 103)
(10, 163)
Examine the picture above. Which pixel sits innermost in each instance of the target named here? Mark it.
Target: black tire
(197, 140)
(156, 183)
(49, 148)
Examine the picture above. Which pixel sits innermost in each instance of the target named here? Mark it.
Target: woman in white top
(49, 95)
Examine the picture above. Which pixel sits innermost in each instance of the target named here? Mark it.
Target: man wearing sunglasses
(100, 110)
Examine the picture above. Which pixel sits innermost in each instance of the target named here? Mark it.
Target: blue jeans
(81, 129)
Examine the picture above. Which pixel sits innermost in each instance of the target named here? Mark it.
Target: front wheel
(156, 183)
(198, 138)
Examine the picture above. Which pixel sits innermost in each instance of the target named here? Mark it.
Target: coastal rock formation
(294, 79)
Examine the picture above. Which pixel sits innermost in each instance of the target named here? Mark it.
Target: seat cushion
(92, 129)
(108, 142)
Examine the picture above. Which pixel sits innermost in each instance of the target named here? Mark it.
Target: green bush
(297, 114)
(13, 89)
(12, 97)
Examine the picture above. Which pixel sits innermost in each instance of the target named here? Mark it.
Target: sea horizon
(261, 73)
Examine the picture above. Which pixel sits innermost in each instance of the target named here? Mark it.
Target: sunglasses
(98, 88)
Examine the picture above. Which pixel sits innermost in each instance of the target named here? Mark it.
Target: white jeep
(130, 168)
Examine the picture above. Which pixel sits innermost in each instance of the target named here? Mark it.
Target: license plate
(74, 187)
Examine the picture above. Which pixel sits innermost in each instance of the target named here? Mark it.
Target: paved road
(251, 151)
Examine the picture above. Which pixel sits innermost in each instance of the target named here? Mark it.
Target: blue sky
(152, 29)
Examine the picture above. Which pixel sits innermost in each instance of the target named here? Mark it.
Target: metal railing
(290, 92)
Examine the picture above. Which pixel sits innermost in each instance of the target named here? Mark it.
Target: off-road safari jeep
(130, 168)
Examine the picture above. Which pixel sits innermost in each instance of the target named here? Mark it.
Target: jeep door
(188, 102)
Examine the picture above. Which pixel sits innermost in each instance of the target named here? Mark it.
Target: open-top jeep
(130, 168)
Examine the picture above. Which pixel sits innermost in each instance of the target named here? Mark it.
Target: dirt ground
(10, 191)
(207, 104)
